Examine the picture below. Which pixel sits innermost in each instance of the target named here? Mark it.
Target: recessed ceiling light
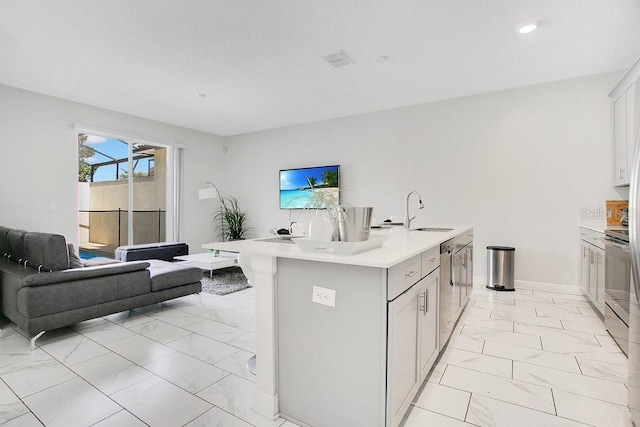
(201, 95)
(527, 28)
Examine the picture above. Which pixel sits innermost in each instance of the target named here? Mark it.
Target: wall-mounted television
(310, 188)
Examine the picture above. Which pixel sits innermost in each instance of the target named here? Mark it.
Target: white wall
(39, 163)
(518, 165)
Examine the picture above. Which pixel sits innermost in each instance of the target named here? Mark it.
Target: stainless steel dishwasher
(455, 281)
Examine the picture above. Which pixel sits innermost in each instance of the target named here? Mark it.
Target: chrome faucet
(407, 220)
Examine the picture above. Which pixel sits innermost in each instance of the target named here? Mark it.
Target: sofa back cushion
(4, 242)
(16, 249)
(46, 251)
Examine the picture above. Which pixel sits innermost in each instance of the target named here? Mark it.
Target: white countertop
(400, 245)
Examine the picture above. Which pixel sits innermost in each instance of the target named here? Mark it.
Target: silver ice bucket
(354, 223)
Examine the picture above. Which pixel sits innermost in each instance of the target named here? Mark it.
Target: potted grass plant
(233, 221)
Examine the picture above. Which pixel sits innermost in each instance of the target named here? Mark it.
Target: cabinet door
(469, 265)
(599, 286)
(402, 354)
(584, 276)
(620, 142)
(428, 322)
(630, 96)
(593, 273)
(459, 276)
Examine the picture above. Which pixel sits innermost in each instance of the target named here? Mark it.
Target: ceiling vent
(339, 59)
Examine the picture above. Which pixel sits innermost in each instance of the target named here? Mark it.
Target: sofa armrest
(83, 273)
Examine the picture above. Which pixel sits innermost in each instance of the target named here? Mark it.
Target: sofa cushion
(74, 260)
(166, 275)
(47, 250)
(16, 250)
(165, 251)
(83, 273)
(4, 242)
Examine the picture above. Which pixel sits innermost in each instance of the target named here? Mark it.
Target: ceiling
(261, 64)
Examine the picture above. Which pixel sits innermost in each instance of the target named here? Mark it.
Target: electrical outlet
(52, 206)
(324, 296)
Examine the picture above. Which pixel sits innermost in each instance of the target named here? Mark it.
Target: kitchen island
(345, 339)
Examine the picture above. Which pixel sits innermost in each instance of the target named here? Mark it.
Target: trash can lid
(501, 248)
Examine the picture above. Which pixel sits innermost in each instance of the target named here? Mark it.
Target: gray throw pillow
(74, 260)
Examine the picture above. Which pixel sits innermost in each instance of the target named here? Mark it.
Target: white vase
(321, 228)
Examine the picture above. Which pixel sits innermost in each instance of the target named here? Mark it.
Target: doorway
(122, 193)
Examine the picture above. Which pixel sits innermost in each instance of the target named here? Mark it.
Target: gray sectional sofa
(39, 291)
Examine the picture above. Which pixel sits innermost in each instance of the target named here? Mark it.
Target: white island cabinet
(344, 340)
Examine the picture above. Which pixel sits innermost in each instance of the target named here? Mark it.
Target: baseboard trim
(480, 282)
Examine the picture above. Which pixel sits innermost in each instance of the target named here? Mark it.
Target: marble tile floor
(534, 357)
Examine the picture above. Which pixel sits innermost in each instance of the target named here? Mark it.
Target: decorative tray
(340, 248)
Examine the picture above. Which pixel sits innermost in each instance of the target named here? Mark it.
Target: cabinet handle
(584, 252)
(410, 273)
(422, 301)
(434, 259)
(591, 260)
(426, 302)
(621, 173)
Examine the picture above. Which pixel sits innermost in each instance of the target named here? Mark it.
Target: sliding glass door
(122, 193)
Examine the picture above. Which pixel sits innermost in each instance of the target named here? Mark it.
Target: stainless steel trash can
(500, 268)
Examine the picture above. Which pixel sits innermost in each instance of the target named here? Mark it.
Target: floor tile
(502, 325)
(532, 356)
(444, 400)
(557, 310)
(226, 316)
(15, 348)
(528, 320)
(10, 405)
(237, 365)
(246, 342)
(235, 395)
(478, 362)
(604, 370)
(476, 313)
(595, 327)
(437, 371)
(160, 331)
(157, 402)
(121, 419)
(419, 417)
(591, 411)
(74, 348)
(111, 373)
(26, 420)
(484, 411)
(128, 318)
(186, 372)
(513, 391)
(464, 342)
(102, 331)
(514, 338)
(217, 417)
(550, 334)
(36, 374)
(206, 349)
(217, 331)
(583, 385)
(71, 403)
(139, 349)
(495, 306)
(175, 317)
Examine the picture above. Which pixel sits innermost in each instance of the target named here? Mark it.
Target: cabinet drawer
(593, 237)
(430, 260)
(404, 275)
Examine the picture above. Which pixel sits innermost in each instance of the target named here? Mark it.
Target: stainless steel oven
(617, 285)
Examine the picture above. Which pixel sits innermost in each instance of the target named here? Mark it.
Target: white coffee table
(207, 260)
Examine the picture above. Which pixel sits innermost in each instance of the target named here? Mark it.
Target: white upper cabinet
(626, 118)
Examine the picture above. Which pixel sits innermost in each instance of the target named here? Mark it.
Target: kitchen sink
(434, 229)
